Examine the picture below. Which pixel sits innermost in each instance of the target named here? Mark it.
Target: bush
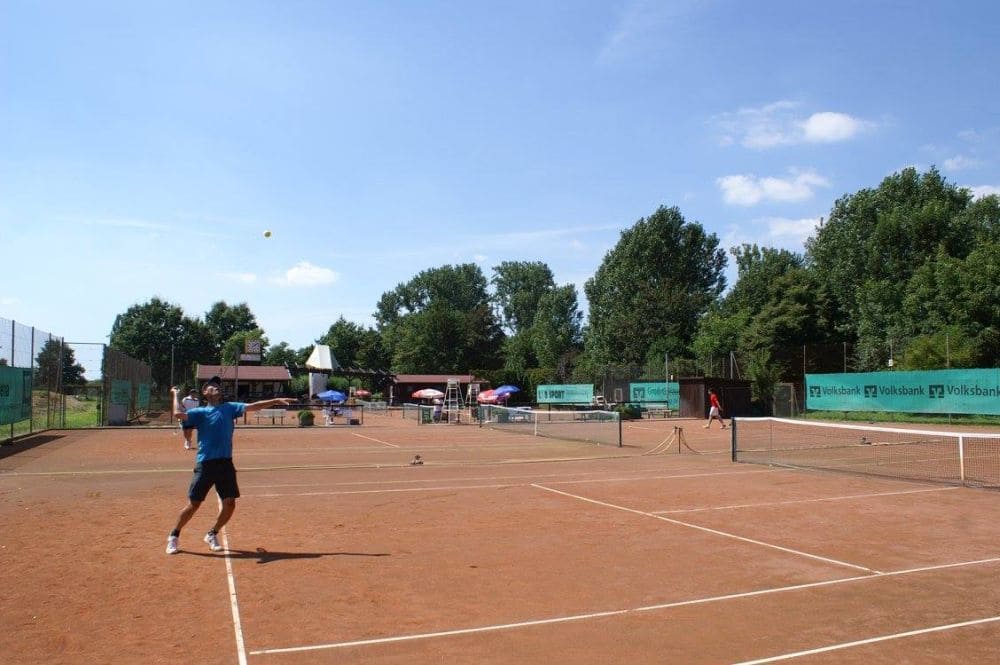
(629, 411)
(306, 418)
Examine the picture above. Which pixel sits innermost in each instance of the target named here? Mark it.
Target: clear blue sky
(146, 146)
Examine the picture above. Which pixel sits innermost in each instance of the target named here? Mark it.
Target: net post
(732, 437)
(961, 458)
(619, 430)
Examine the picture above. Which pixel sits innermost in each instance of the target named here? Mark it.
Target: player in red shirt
(715, 410)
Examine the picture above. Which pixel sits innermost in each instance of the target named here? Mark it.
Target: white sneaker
(213, 542)
(187, 446)
(172, 545)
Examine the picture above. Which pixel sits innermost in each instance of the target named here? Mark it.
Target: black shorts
(218, 472)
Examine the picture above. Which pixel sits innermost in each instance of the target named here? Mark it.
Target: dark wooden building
(734, 396)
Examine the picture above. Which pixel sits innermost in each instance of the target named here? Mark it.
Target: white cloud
(304, 273)
(643, 26)
(241, 277)
(961, 162)
(979, 191)
(749, 190)
(829, 127)
(480, 258)
(796, 230)
(778, 124)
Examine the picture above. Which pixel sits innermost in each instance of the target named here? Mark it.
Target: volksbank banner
(570, 393)
(656, 393)
(15, 395)
(937, 391)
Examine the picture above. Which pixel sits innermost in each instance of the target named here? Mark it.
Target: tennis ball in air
(267, 234)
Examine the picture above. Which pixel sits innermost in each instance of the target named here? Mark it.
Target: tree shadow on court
(265, 556)
(27, 443)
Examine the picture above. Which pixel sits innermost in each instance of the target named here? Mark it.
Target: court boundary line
(520, 477)
(712, 531)
(870, 640)
(374, 439)
(797, 501)
(241, 652)
(608, 613)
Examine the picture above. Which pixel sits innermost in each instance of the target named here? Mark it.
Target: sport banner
(659, 392)
(569, 393)
(935, 391)
(15, 394)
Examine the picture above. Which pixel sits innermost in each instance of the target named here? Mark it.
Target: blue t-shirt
(215, 429)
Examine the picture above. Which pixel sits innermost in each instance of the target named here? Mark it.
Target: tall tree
(519, 286)
(651, 289)
(557, 327)
(52, 357)
(440, 321)
(157, 332)
(876, 239)
(225, 320)
(355, 345)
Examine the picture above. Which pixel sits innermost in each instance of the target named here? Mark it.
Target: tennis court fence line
(960, 458)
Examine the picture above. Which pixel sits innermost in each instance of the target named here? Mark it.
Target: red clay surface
(500, 548)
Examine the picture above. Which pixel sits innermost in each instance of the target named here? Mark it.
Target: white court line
(374, 439)
(795, 501)
(712, 531)
(871, 640)
(241, 652)
(607, 613)
(274, 495)
(518, 477)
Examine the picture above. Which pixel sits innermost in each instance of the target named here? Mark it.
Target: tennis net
(600, 427)
(967, 458)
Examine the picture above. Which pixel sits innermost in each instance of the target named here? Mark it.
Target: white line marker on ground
(795, 501)
(241, 652)
(374, 439)
(597, 615)
(712, 531)
(871, 640)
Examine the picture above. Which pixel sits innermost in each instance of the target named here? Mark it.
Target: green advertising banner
(570, 393)
(15, 394)
(656, 393)
(121, 392)
(142, 396)
(937, 391)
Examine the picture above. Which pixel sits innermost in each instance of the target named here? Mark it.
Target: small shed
(734, 396)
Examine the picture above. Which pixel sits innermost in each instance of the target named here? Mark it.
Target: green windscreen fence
(656, 392)
(567, 393)
(966, 391)
(15, 394)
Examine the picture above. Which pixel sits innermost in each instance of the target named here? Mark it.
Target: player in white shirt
(189, 402)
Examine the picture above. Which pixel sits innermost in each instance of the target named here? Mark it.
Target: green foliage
(223, 321)
(629, 411)
(440, 321)
(519, 286)
(652, 288)
(48, 361)
(355, 346)
(282, 354)
(299, 385)
(236, 345)
(306, 418)
(151, 331)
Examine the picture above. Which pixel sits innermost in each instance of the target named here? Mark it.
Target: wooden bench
(276, 415)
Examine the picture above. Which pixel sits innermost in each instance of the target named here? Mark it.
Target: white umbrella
(427, 393)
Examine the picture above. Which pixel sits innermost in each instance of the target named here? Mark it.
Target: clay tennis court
(500, 548)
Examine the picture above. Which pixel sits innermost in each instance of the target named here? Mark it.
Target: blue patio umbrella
(506, 390)
(331, 396)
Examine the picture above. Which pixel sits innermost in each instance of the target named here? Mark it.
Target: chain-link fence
(48, 383)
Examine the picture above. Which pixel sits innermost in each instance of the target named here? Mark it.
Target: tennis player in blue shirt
(214, 460)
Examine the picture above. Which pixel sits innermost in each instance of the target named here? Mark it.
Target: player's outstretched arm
(268, 403)
(179, 412)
